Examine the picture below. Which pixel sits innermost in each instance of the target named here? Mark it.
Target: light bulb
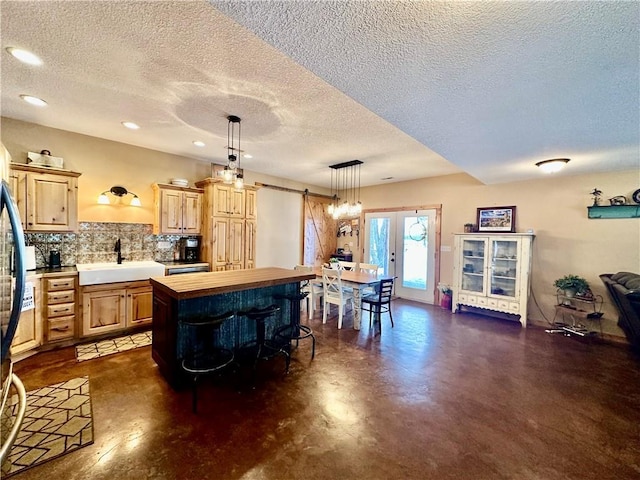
(103, 199)
(135, 201)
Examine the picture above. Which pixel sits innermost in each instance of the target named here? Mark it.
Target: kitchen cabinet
(491, 273)
(47, 198)
(228, 225)
(115, 307)
(28, 335)
(60, 307)
(178, 210)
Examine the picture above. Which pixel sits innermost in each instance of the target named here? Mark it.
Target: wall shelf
(614, 211)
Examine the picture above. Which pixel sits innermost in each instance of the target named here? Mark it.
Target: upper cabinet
(178, 210)
(47, 198)
(228, 226)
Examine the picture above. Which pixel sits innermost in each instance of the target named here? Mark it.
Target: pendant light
(346, 194)
(232, 173)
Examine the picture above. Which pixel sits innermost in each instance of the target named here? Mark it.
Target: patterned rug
(57, 421)
(112, 345)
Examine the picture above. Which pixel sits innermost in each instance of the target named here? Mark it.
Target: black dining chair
(380, 302)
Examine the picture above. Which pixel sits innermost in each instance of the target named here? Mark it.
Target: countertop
(193, 285)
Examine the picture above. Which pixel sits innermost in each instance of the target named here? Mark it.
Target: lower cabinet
(29, 332)
(60, 307)
(115, 306)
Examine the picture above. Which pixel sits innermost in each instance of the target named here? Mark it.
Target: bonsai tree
(572, 284)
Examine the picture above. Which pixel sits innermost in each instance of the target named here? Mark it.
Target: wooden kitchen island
(182, 296)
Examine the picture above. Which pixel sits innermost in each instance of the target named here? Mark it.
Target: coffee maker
(189, 249)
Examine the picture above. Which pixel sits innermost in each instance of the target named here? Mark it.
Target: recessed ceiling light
(247, 155)
(198, 143)
(24, 56)
(38, 102)
(387, 178)
(131, 125)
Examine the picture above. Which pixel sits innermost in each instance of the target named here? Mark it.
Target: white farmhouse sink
(96, 273)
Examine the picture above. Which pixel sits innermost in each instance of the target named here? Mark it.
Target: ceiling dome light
(38, 102)
(24, 56)
(247, 155)
(552, 165)
(131, 125)
(198, 143)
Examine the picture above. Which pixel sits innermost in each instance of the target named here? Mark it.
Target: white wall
(279, 228)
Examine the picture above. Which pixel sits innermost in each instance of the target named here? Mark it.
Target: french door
(403, 244)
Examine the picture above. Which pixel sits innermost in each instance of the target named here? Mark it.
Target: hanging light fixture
(232, 173)
(345, 190)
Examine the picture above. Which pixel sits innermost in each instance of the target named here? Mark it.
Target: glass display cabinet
(491, 273)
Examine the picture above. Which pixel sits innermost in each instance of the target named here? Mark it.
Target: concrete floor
(439, 396)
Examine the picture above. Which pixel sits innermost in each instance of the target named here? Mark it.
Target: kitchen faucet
(118, 250)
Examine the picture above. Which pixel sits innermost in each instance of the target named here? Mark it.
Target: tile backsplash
(95, 242)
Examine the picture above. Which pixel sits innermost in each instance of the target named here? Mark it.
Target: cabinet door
(250, 205)
(170, 212)
(29, 332)
(473, 265)
(51, 203)
(191, 213)
(220, 244)
(250, 244)
(103, 311)
(503, 261)
(221, 200)
(18, 185)
(236, 243)
(139, 306)
(237, 203)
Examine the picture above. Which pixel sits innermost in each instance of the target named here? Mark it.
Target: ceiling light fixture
(346, 195)
(131, 125)
(198, 143)
(24, 56)
(118, 192)
(552, 165)
(38, 102)
(232, 173)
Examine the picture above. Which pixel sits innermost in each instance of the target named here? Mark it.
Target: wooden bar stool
(203, 357)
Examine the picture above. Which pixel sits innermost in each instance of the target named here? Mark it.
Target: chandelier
(232, 173)
(345, 190)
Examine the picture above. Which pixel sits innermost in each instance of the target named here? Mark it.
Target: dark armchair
(624, 289)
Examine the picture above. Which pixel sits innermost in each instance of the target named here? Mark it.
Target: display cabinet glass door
(503, 278)
(474, 265)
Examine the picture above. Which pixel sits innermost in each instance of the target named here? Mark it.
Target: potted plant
(572, 285)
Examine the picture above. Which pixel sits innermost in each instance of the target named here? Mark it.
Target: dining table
(358, 281)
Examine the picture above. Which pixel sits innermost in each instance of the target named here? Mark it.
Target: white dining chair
(334, 294)
(343, 265)
(313, 287)
(372, 269)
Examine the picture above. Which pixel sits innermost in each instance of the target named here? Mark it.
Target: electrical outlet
(164, 245)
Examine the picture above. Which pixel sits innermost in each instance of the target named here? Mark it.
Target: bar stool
(203, 356)
(266, 348)
(296, 331)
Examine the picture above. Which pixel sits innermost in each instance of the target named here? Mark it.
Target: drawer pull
(61, 310)
(60, 329)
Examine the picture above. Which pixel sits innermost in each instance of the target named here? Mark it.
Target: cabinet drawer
(482, 301)
(514, 307)
(462, 298)
(472, 300)
(503, 305)
(64, 296)
(55, 284)
(61, 309)
(61, 328)
(492, 302)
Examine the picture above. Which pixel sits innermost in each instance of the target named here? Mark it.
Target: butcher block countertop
(193, 285)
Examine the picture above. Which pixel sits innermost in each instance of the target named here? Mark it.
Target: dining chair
(342, 265)
(379, 302)
(372, 269)
(334, 293)
(314, 289)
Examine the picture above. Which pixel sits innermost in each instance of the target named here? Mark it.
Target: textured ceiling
(413, 89)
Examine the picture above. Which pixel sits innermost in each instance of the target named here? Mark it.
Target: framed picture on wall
(497, 219)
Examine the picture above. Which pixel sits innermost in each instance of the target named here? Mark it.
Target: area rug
(57, 421)
(112, 345)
